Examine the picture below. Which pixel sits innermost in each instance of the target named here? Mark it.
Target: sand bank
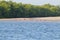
(32, 19)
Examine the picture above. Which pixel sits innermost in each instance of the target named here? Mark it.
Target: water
(23, 30)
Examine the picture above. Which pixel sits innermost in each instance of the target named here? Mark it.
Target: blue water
(29, 30)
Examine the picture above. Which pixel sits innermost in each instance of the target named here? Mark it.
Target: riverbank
(32, 19)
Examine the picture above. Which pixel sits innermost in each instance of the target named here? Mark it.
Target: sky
(39, 2)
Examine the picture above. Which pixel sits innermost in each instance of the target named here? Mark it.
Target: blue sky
(39, 2)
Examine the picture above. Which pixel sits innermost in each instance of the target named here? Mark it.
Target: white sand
(32, 19)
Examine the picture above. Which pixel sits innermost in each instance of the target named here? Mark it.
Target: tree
(10, 9)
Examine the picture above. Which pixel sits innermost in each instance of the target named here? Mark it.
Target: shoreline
(32, 19)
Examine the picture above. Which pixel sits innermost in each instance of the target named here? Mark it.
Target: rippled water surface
(31, 30)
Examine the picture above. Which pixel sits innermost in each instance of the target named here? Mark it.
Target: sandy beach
(32, 19)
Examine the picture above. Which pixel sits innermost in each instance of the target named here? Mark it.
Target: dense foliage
(9, 9)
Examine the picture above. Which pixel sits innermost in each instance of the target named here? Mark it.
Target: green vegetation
(9, 9)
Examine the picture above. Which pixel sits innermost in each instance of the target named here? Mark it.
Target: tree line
(9, 9)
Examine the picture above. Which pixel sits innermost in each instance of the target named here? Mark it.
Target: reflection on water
(19, 30)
